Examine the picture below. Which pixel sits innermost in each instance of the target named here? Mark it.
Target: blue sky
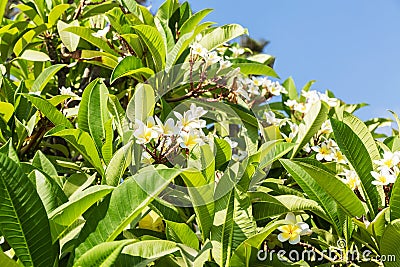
(350, 47)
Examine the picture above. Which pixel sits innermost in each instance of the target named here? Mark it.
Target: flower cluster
(293, 229)
(387, 170)
(161, 139)
(329, 151)
(310, 97)
(351, 179)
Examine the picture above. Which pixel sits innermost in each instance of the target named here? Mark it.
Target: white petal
(281, 238)
(295, 241)
(290, 217)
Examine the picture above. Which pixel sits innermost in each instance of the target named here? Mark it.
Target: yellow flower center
(382, 179)
(324, 151)
(388, 163)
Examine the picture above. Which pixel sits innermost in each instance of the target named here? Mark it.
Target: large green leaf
(4, 259)
(126, 203)
(118, 164)
(131, 66)
(221, 35)
(102, 255)
(154, 42)
(69, 39)
(193, 21)
(85, 145)
(255, 69)
(313, 120)
(395, 201)
(181, 233)
(23, 218)
(389, 243)
(142, 103)
(354, 147)
(233, 222)
(48, 110)
(43, 79)
(63, 216)
(93, 111)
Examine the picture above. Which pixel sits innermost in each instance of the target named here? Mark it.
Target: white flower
(198, 49)
(68, 92)
(224, 64)
(271, 119)
(191, 118)
(236, 52)
(384, 177)
(168, 128)
(332, 102)
(311, 96)
(339, 157)
(290, 103)
(277, 89)
(253, 89)
(258, 81)
(293, 230)
(288, 139)
(323, 152)
(307, 148)
(212, 58)
(197, 112)
(190, 139)
(143, 133)
(326, 127)
(302, 107)
(351, 179)
(389, 160)
(199, 37)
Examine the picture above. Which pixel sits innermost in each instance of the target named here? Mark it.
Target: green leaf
(193, 21)
(55, 13)
(131, 66)
(221, 35)
(6, 111)
(255, 69)
(23, 218)
(33, 55)
(389, 243)
(395, 201)
(107, 148)
(69, 39)
(118, 164)
(181, 233)
(9, 150)
(291, 88)
(85, 145)
(354, 147)
(93, 111)
(142, 103)
(154, 42)
(66, 214)
(233, 220)
(4, 259)
(102, 255)
(87, 34)
(3, 5)
(313, 121)
(253, 244)
(178, 49)
(43, 79)
(224, 152)
(131, 197)
(48, 110)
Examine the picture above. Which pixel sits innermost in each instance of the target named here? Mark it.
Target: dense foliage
(131, 139)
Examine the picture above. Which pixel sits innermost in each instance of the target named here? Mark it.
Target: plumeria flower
(198, 49)
(326, 128)
(339, 157)
(384, 177)
(330, 143)
(302, 107)
(311, 96)
(197, 112)
(168, 128)
(271, 119)
(258, 81)
(389, 160)
(190, 139)
(290, 103)
(277, 89)
(351, 179)
(236, 52)
(307, 148)
(212, 58)
(288, 139)
(323, 152)
(199, 37)
(224, 64)
(143, 133)
(293, 230)
(253, 89)
(68, 92)
(332, 102)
